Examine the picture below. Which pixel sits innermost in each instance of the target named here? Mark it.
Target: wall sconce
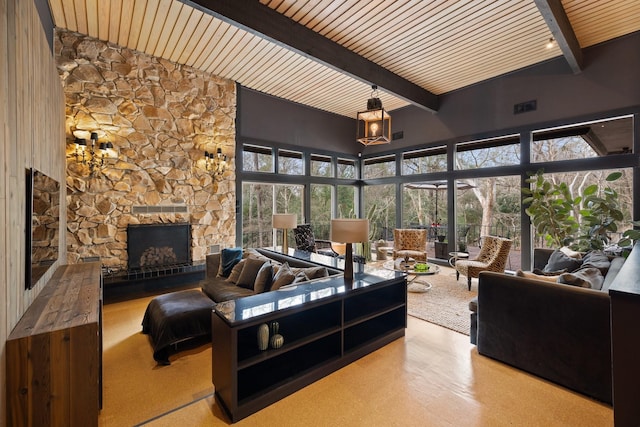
(349, 231)
(87, 155)
(285, 222)
(374, 125)
(215, 163)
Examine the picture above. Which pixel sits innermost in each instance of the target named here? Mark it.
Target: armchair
(410, 242)
(306, 241)
(492, 257)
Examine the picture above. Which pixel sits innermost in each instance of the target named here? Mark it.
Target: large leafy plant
(551, 208)
(584, 222)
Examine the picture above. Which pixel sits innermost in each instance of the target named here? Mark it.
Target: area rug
(446, 303)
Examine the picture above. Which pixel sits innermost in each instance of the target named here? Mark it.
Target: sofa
(556, 331)
(220, 287)
(184, 317)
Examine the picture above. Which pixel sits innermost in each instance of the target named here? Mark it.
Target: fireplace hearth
(153, 246)
(159, 257)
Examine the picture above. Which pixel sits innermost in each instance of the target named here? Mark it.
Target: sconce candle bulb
(215, 163)
(95, 160)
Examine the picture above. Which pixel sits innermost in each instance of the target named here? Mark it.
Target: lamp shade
(287, 221)
(349, 230)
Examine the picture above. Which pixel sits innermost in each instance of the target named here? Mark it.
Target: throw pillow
(548, 273)
(315, 272)
(589, 277)
(249, 272)
(530, 275)
(235, 272)
(571, 253)
(560, 261)
(283, 277)
(597, 259)
(300, 277)
(228, 258)
(263, 279)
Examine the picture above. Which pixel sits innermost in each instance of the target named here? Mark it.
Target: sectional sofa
(557, 331)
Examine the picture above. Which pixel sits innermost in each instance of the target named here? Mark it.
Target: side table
(455, 256)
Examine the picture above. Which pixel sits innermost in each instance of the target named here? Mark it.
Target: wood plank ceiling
(440, 45)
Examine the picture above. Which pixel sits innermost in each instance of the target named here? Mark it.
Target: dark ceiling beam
(265, 22)
(558, 22)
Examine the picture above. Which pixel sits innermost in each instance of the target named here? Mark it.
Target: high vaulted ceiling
(328, 53)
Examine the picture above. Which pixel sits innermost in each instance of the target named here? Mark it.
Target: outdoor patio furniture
(492, 257)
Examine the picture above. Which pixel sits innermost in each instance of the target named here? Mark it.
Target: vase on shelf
(263, 336)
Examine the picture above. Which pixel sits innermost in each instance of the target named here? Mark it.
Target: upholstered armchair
(493, 256)
(410, 242)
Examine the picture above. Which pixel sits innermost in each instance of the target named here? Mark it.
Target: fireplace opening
(158, 246)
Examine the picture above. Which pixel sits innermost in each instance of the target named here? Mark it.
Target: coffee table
(413, 284)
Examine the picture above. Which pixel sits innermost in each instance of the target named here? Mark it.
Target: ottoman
(176, 317)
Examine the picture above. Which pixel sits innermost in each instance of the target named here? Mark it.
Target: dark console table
(325, 324)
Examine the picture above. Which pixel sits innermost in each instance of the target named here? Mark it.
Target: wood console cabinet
(326, 325)
(54, 354)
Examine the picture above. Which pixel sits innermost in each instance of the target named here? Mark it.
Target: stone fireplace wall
(160, 117)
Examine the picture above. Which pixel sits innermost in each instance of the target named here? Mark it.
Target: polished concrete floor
(431, 377)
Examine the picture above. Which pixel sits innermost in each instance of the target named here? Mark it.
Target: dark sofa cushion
(249, 272)
(264, 278)
(586, 277)
(228, 258)
(283, 277)
(597, 259)
(560, 261)
(235, 272)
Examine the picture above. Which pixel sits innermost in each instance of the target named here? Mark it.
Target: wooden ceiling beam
(258, 19)
(562, 31)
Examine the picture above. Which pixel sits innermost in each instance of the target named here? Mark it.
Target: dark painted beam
(265, 22)
(558, 22)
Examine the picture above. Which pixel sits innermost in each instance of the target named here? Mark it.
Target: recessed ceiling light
(550, 43)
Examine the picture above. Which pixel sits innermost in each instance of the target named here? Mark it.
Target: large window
(379, 167)
(424, 161)
(347, 207)
(290, 162)
(321, 201)
(321, 166)
(578, 181)
(594, 139)
(380, 209)
(488, 153)
(257, 159)
(488, 206)
(347, 169)
(259, 202)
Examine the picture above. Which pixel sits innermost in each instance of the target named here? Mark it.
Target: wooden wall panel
(4, 138)
(31, 135)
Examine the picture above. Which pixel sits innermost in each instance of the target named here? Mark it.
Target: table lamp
(348, 230)
(284, 222)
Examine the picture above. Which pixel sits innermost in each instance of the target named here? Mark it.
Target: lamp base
(285, 243)
(348, 262)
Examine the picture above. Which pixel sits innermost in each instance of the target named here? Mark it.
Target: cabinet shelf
(321, 336)
(271, 352)
(370, 316)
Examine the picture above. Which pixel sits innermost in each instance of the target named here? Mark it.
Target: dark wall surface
(268, 118)
(610, 81)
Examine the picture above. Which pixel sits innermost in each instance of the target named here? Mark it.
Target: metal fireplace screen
(158, 245)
